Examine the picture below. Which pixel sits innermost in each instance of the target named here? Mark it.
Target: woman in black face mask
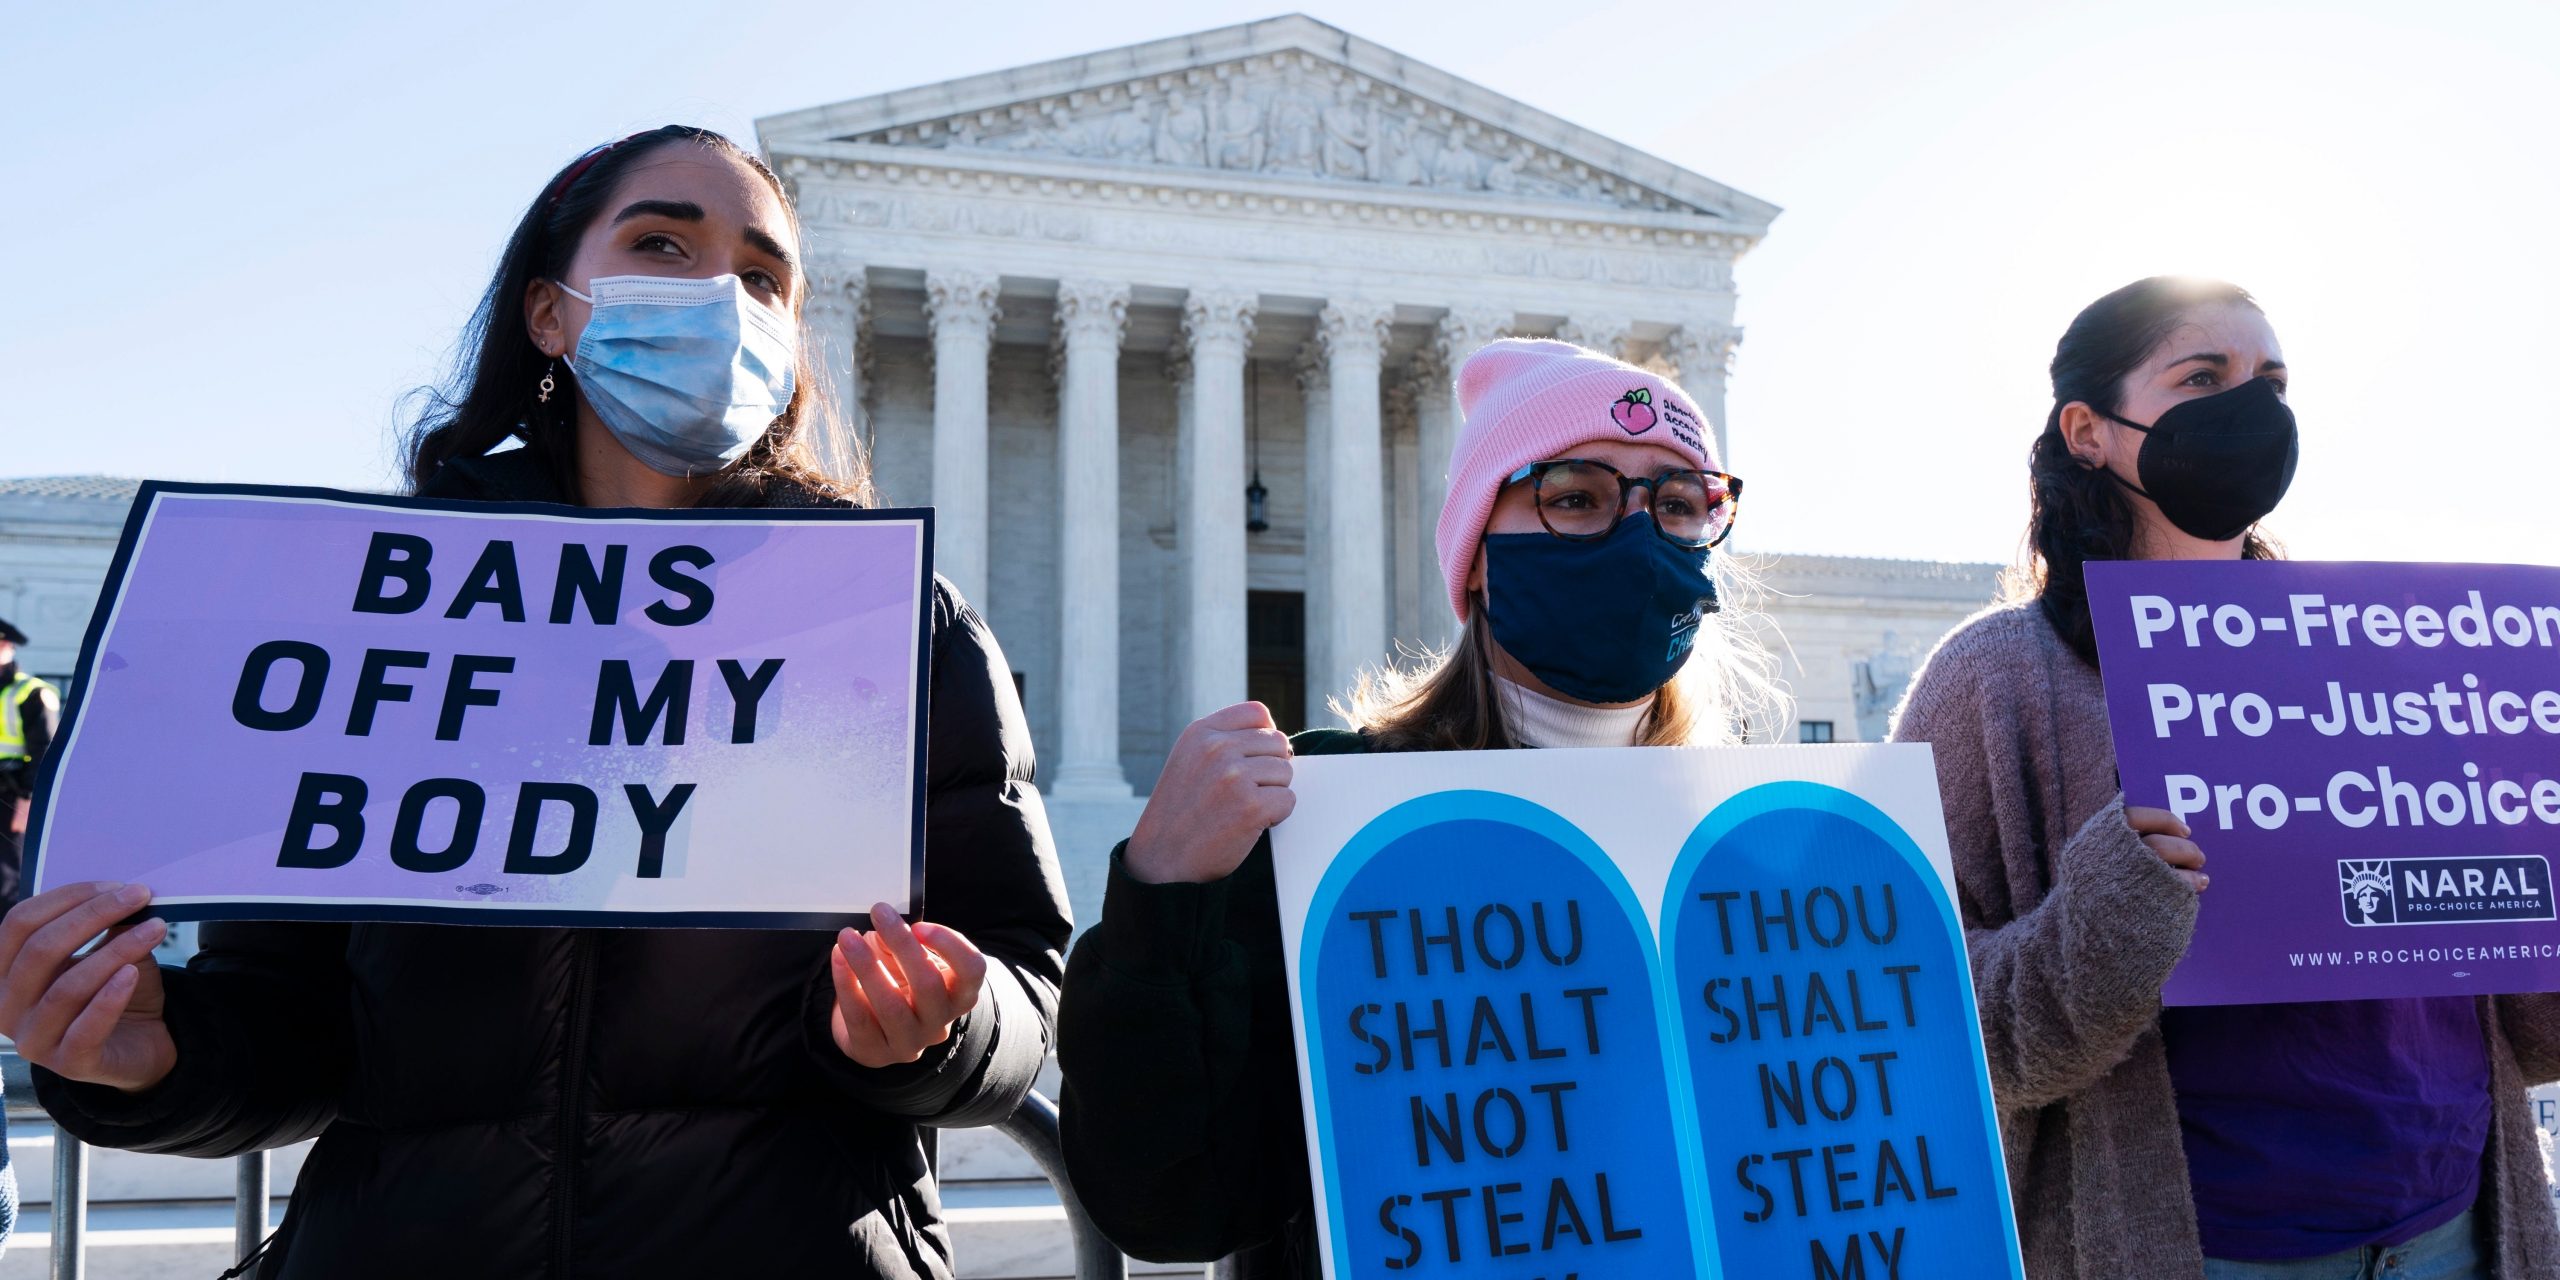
(1584, 506)
(2366, 1139)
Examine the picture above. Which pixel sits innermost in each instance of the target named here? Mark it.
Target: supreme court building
(1166, 334)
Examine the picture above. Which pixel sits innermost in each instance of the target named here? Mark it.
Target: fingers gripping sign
(1224, 784)
(901, 987)
(94, 1015)
(2169, 838)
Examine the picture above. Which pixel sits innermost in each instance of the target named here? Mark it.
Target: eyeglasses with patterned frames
(1582, 500)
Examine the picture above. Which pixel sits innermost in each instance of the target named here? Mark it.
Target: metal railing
(1033, 1126)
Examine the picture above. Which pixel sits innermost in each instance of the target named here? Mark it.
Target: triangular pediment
(1288, 100)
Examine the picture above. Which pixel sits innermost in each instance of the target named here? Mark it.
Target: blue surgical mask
(687, 374)
(1610, 620)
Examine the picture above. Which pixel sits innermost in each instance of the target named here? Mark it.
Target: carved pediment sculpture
(1284, 116)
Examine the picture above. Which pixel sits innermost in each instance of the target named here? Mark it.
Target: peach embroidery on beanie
(1634, 412)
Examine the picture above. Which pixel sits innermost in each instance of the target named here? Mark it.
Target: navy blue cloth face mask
(1609, 620)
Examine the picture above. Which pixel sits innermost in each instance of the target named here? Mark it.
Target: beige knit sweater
(2073, 924)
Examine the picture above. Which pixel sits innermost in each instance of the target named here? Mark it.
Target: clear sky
(246, 236)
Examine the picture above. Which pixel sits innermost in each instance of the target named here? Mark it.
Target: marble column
(1406, 589)
(960, 307)
(1316, 393)
(1701, 356)
(1438, 416)
(837, 300)
(1092, 315)
(1218, 326)
(1176, 709)
(1354, 335)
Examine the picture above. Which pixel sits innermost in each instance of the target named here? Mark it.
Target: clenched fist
(1225, 783)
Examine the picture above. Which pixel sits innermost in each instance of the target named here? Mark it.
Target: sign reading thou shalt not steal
(1573, 1014)
(304, 704)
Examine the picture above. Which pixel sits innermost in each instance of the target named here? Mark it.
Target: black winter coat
(1180, 1072)
(518, 1102)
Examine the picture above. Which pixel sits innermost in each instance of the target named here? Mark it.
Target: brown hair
(492, 394)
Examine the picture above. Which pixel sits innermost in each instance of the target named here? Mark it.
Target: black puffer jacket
(616, 1102)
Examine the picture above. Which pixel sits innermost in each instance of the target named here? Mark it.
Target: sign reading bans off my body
(364, 708)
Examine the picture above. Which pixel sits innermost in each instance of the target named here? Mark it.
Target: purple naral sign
(302, 704)
(2369, 755)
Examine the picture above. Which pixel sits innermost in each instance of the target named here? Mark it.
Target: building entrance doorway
(1275, 628)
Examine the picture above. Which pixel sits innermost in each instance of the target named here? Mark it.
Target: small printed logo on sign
(2387, 891)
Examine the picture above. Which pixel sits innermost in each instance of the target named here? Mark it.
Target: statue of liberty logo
(2365, 892)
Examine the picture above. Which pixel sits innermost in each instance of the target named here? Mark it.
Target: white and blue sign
(1575, 1014)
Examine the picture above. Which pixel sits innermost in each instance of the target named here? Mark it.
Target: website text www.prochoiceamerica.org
(2517, 951)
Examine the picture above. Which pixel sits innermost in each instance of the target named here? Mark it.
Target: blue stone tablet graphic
(1491, 1086)
(1830, 1039)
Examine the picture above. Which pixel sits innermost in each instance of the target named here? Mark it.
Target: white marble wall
(1823, 615)
(56, 539)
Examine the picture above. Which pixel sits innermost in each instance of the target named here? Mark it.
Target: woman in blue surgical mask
(1579, 543)
(590, 1102)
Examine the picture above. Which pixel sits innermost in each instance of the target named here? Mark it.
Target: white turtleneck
(1536, 720)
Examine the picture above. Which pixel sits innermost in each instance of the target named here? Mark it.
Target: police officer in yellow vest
(28, 708)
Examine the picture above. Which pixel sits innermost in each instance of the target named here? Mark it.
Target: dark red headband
(569, 177)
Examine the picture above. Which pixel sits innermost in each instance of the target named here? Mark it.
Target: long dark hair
(492, 393)
(2078, 514)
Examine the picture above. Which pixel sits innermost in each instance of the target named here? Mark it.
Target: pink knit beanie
(1527, 400)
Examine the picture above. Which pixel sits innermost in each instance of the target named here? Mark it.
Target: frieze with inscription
(1369, 246)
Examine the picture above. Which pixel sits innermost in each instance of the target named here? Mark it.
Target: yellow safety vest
(13, 729)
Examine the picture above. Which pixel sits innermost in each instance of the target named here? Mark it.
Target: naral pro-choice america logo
(2384, 891)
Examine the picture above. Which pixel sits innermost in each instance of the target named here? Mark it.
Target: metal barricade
(1033, 1126)
(251, 1195)
(70, 1206)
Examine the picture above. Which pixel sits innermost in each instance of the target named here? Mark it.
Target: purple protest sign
(304, 704)
(2369, 755)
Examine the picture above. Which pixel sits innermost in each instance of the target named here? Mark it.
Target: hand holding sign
(1224, 784)
(94, 1017)
(2166, 836)
(900, 989)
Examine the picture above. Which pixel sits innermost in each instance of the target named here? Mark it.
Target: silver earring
(547, 383)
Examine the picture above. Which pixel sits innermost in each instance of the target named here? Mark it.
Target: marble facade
(1279, 212)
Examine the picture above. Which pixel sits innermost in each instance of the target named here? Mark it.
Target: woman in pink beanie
(1585, 501)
